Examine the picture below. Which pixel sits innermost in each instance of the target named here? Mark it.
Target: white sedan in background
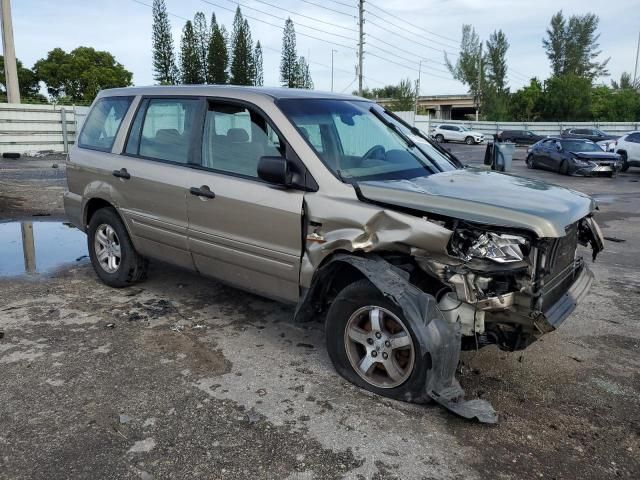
(456, 133)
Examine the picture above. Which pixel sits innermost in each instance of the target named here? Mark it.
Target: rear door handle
(122, 173)
(203, 191)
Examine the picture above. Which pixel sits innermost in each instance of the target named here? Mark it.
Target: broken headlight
(498, 247)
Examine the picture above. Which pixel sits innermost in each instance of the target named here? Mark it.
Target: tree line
(571, 93)
(209, 55)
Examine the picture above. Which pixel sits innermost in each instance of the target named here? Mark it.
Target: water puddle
(39, 247)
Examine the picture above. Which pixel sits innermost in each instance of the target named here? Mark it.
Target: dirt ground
(182, 377)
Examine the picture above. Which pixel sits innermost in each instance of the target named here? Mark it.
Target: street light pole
(332, 52)
(9, 49)
(415, 109)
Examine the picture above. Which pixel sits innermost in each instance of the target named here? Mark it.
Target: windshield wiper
(393, 127)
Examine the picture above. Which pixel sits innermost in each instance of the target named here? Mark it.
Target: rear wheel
(625, 162)
(564, 168)
(112, 255)
(529, 161)
(469, 141)
(372, 345)
(439, 138)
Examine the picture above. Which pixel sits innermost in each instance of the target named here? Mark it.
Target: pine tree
(304, 76)
(190, 67)
(201, 32)
(218, 56)
(164, 59)
(289, 60)
(241, 54)
(257, 63)
(496, 61)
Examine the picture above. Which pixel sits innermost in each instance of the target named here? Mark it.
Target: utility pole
(9, 49)
(332, 53)
(479, 83)
(415, 109)
(635, 71)
(360, 43)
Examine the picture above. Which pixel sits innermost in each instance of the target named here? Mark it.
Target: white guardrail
(26, 128)
(425, 123)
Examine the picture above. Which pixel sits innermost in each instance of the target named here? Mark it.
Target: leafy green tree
(218, 55)
(289, 66)
(164, 59)
(81, 74)
(202, 34)
(304, 75)
(615, 105)
(241, 52)
(29, 84)
(572, 46)
(190, 67)
(466, 68)
(496, 61)
(568, 98)
(526, 104)
(404, 97)
(257, 62)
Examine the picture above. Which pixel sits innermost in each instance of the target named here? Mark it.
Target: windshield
(573, 146)
(358, 141)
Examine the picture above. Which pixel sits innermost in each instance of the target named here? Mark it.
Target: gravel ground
(181, 377)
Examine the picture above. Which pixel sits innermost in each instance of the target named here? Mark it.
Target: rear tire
(373, 346)
(469, 141)
(564, 168)
(112, 254)
(625, 162)
(440, 138)
(529, 161)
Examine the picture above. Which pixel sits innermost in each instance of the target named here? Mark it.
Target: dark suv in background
(593, 134)
(521, 137)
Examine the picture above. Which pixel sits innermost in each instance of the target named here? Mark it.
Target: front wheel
(625, 162)
(112, 255)
(564, 168)
(439, 138)
(469, 141)
(373, 346)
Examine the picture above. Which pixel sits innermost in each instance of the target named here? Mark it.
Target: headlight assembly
(497, 247)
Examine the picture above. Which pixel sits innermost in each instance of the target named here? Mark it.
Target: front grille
(561, 269)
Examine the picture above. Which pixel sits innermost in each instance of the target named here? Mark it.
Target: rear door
(633, 147)
(543, 154)
(242, 230)
(156, 162)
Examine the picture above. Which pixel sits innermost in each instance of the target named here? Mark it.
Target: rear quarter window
(103, 122)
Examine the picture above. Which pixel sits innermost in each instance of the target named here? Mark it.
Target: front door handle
(122, 173)
(203, 191)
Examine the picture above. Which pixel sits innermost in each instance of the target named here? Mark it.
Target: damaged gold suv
(335, 204)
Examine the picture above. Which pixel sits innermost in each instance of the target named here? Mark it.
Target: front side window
(359, 141)
(235, 138)
(102, 124)
(163, 129)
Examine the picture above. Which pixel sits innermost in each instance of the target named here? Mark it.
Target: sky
(398, 34)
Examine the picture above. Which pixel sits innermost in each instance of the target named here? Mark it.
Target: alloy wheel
(107, 248)
(379, 347)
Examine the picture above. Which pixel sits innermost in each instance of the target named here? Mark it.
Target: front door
(242, 230)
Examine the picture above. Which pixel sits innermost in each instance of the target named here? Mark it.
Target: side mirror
(275, 170)
(558, 147)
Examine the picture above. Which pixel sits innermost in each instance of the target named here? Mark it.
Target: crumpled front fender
(439, 339)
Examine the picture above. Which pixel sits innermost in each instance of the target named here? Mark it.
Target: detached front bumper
(555, 314)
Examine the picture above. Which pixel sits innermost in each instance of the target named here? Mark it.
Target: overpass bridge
(442, 107)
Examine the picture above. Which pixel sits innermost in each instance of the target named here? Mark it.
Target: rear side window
(163, 128)
(102, 124)
(634, 137)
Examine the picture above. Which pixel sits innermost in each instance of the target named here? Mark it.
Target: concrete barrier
(26, 128)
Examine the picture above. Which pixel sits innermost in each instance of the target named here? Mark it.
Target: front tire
(372, 345)
(625, 162)
(564, 168)
(112, 254)
(469, 141)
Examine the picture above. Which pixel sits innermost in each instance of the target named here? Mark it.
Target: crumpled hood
(486, 197)
(597, 156)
